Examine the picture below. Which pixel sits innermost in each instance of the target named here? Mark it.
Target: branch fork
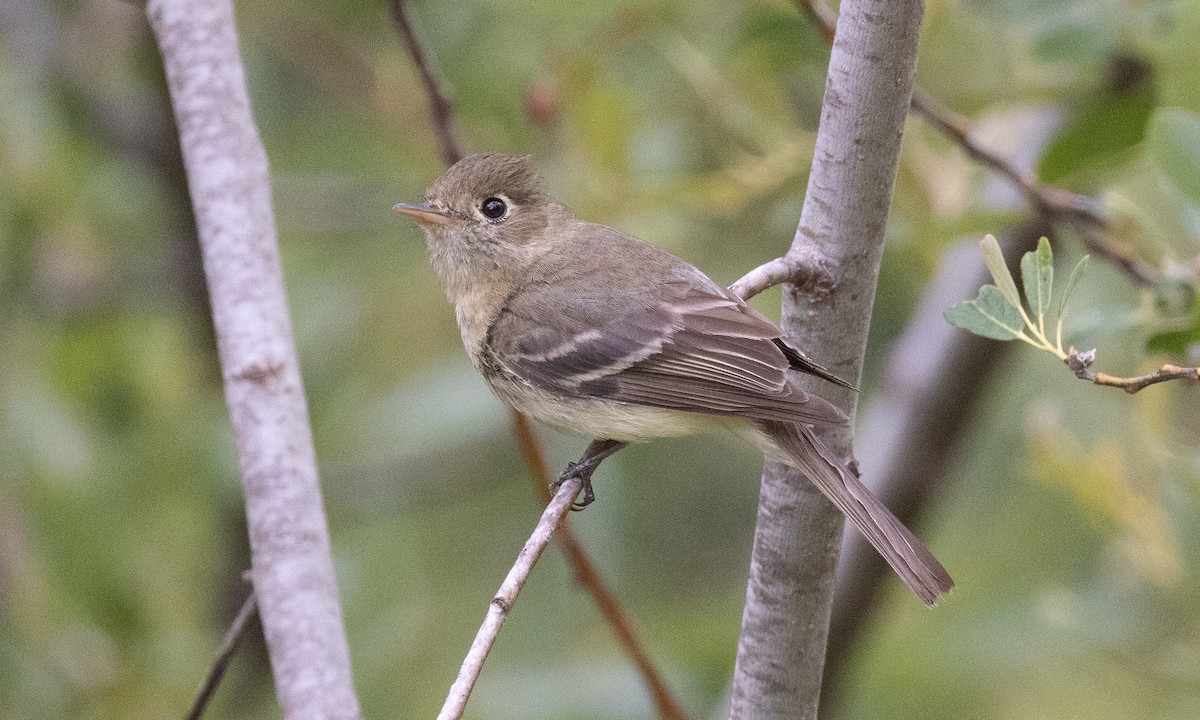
(806, 273)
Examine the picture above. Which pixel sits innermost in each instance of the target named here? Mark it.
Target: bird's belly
(605, 419)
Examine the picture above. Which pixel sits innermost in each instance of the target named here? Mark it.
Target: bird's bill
(426, 214)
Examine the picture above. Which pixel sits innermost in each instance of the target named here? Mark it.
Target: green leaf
(994, 259)
(1072, 281)
(990, 315)
(1037, 273)
(1173, 141)
(1076, 275)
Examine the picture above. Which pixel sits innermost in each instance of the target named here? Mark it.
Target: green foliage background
(1069, 522)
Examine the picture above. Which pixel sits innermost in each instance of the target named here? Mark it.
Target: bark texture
(789, 594)
(228, 180)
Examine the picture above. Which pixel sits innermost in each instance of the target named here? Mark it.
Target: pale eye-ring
(493, 208)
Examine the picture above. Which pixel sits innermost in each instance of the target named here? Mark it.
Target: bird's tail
(907, 555)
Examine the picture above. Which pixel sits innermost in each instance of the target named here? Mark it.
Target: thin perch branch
(1080, 364)
(506, 596)
(229, 645)
(440, 109)
(588, 577)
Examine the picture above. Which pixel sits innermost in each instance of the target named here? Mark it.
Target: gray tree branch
(790, 589)
(228, 180)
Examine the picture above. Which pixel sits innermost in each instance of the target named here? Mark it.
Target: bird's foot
(584, 467)
(582, 470)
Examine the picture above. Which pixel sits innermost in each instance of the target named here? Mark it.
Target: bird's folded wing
(686, 344)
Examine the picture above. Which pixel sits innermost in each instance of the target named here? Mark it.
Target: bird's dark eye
(493, 208)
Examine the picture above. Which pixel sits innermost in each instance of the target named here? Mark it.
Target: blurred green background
(1068, 520)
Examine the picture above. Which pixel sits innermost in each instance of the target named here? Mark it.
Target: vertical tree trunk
(789, 594)
(228, 179)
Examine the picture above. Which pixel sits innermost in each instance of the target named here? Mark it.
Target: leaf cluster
(998, 312)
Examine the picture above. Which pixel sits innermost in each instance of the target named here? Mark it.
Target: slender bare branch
(506, 596)
(228, 179)
(822, 16)
(588, 576)
(1081, 363)
(1138, 270)
(233, 638)
(1081, 212)
(958, 128)
(1163, 374)
(440, 109)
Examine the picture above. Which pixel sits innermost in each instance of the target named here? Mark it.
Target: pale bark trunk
(228, 180)
(786, 619)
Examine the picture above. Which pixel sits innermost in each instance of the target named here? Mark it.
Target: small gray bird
(592, 330)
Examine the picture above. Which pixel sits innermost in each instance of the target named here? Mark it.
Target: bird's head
(486, 214)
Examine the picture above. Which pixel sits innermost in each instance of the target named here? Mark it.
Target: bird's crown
(476, 177)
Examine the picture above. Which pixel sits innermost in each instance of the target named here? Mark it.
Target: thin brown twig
(1080, 364)
(1163, 374)
(588, 576)
(822, 16)
(1081, 212)
(237, 629)
(440, 109)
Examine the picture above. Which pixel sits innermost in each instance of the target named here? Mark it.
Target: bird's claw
(583, 471)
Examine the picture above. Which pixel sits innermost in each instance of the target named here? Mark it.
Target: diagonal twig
(1083, 213)
(502, 603)
(823, 17)
(1134, 384)
(588, 576)
(233, 638)
(440, 109)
